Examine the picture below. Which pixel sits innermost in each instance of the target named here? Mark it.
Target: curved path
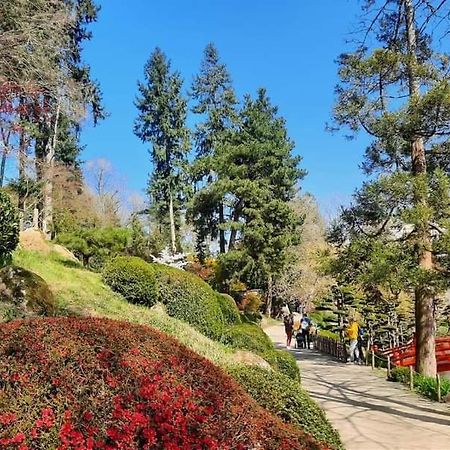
(369, 412)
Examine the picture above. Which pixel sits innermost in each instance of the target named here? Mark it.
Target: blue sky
(287, 46)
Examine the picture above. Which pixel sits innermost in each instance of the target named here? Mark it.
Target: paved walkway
(369, 412)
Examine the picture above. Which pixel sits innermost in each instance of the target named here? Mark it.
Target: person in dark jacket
(288, 328)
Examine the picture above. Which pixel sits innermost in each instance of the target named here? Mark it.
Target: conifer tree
(216, 103)
(162, 123)
(260, 174)
(395, 86)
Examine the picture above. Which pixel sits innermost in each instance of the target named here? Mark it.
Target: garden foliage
(426, 386)
(285, 398)
(231, 315)
(9, 227)
(102, 384)
(251, 337)
(185, 296)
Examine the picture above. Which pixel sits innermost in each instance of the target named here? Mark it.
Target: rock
(24, 294)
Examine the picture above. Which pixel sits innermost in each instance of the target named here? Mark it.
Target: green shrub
(189, 298)
(185, 295)
(426, 386)
(230, 312)
(251, 337)
(251, 317)
(94, 246)
(9, 228)
(285, 398)
(286, 363)
(248, 336)
(133, 278)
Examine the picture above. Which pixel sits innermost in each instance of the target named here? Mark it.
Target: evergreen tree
(397, 89)
(162, 122)
(260, 175)
(216, 102)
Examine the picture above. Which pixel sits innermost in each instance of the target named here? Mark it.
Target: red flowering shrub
(79, 384)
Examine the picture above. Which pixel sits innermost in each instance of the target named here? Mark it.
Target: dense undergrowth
(83, 383)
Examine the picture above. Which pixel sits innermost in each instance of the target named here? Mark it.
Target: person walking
(352, 334)
(305, 325)
(288, 328)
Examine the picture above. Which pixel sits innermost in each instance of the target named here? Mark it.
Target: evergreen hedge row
(285, 397)
(251, 337)
(186, 296)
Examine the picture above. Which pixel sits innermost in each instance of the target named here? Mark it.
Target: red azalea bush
(80, 384)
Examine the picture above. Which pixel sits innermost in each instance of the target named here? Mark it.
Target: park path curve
(369, 412)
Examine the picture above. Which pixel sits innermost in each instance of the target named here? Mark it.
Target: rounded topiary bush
(72, 383)
(133, 278)
(186, 296)
(230, 311)
(248, 336)
(9, 227)
(24, 294)
(286, 398)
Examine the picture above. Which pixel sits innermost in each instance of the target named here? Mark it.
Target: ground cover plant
(74, 383)
(426, 386)
(82, 292)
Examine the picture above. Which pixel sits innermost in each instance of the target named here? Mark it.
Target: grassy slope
(80, 292)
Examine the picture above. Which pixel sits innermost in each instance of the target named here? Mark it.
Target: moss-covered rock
(24, 294)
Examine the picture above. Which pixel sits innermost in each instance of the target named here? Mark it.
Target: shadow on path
(368, 411)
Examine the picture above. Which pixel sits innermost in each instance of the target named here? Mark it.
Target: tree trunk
(222, 241)
(425, 328)
(47, 204)
(269, 296)
(22, 175)
(172, 224)
(3, 166)
(233, 234)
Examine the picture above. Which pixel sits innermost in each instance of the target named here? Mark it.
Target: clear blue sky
(287, 46)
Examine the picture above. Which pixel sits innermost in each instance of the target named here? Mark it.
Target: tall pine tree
(395, 86)
(260, 175)
(162, 123)
(216, 103)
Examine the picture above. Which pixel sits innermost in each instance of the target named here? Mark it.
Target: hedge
(284, 362)
(286, 398)
(251, 337)
(230, 312)
(72, 383)
(186, 296)
(248, 336)
(133, 278)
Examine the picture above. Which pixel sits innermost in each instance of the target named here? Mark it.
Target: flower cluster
(97, 384)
